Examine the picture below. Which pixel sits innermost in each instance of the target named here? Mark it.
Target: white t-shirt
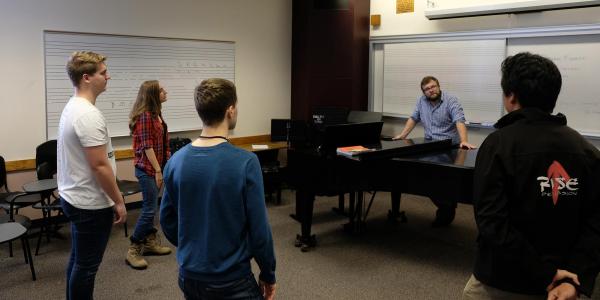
(81, 125)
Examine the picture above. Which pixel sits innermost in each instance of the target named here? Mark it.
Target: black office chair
(50, 203)
(272, 177)
(11, 202)
(7, 194)
(128, 188)
(18, 200)
(46, 168)
(46, 153)
(12, 231)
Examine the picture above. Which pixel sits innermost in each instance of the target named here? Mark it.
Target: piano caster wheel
(306, 248)
(305, 244)
(399, 216)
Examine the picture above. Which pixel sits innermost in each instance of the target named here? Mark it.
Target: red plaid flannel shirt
(148, 133)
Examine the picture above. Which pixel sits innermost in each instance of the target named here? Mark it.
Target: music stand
(288, 130)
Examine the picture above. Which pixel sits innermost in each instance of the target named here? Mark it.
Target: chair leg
(43, 229)
(125, 226)
(269, 196)
(28, 250)
(10, 252)
(47, 224)
(55, 221)
(279, 195)
(39, 241)
(24, 251)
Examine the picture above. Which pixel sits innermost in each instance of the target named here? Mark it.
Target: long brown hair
(148, 99)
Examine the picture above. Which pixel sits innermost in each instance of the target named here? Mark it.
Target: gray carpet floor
(388, 261)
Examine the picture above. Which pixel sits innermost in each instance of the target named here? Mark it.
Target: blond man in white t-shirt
(87, 184)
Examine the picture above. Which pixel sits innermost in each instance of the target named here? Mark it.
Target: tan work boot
(152, 246)
(134, 256)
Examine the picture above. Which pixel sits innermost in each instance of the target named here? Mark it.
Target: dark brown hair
(427, 79)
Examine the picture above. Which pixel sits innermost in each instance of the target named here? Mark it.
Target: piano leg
(341, 206)
(446, 210)
(304, 212)
(356, 223)
(360, 216)
(351, 207)
(395, 214)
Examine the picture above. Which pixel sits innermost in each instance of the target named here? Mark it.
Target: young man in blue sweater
(213, 207)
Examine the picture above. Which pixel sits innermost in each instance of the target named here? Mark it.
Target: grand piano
(416, 166)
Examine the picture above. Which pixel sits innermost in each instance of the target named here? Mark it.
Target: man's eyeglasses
(431, 87)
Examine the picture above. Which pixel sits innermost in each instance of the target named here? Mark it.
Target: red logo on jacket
(558, 180)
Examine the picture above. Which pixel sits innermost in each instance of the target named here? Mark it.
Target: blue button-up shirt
(439, 120)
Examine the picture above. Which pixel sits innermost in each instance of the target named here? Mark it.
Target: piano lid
(451, 157)
(401, 148)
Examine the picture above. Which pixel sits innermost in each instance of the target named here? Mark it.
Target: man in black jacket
(536, 195)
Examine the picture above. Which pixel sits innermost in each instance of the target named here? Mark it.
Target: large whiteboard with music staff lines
(179, 65)
(468, 65)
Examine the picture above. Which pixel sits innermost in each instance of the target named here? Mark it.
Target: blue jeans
(245, 288)
(145, 222)
(90, 230)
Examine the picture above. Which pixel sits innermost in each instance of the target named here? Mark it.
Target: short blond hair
(83, 62)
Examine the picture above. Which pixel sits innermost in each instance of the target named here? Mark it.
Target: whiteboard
(467, 69)
(577, 59)
(179, 65)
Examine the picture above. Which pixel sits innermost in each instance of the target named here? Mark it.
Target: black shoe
(305, 244)
(443, 217)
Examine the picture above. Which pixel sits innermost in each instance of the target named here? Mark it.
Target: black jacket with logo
(537, 204)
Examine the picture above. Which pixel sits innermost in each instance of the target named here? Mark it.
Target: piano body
(398, 166)
(441, 173)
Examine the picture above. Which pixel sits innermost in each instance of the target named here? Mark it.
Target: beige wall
(416, 23)
(393, 24)
(261, 30)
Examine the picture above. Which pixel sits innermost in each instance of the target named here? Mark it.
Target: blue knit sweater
(213, 209)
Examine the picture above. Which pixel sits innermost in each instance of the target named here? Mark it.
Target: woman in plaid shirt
(151, 147)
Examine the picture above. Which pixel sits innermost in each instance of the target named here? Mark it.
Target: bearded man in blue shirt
(442, 118)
